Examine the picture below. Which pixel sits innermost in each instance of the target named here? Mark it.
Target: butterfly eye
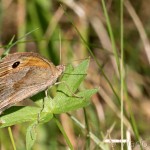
(16, 64)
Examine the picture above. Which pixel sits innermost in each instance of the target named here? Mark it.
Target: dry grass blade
(140, 28)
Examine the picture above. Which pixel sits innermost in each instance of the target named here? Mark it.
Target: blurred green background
(55, 22)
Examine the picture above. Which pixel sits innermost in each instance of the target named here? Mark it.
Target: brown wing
(33, 75)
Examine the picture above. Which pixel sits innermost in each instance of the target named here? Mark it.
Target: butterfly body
(23, 75)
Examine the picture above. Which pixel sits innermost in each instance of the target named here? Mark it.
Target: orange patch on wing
(35, 61)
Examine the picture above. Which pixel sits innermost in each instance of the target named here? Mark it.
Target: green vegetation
(112, 86)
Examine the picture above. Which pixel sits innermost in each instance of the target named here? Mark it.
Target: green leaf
(64, 104)
(23, 114)
(31, 135)
(73, 78)
(20, 114)
(64, 100)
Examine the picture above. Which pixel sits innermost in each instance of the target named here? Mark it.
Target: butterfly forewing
(23, 75)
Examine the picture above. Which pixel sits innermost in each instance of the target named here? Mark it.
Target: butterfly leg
(68, 89)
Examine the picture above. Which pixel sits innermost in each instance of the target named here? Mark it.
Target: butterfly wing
(32, 75)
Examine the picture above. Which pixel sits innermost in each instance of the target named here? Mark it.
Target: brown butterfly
(22, 75)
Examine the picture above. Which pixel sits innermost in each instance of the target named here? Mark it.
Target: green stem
(63, 132)
(111, 35)
(122, 69)
(11, 138)
(87, 129)
(100, 143)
